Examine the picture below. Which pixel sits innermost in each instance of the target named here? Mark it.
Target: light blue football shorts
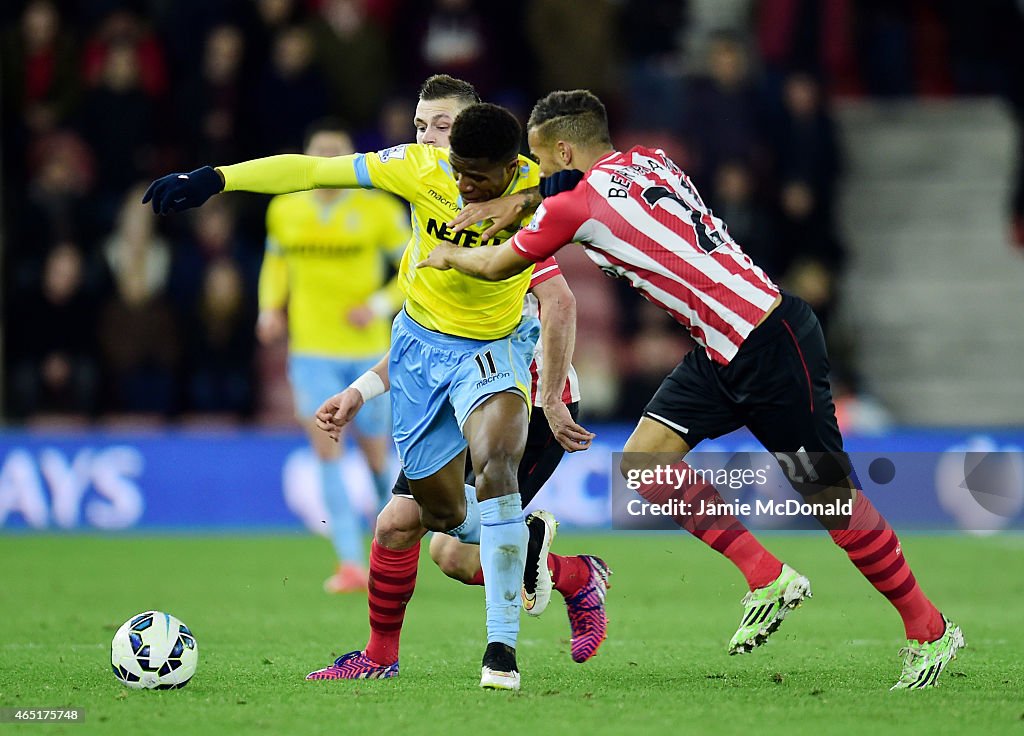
(437, 380)
(315, 378)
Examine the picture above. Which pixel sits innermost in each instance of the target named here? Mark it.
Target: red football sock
(568, 574)
(392, 582)
(478, 578)
(724, 533)
(874, 549)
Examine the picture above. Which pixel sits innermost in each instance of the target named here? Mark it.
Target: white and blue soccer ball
(155, 651)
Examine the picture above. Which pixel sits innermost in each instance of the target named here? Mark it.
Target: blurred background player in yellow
(324, 284)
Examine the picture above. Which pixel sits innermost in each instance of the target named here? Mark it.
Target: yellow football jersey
(446, 301)
(325, 258)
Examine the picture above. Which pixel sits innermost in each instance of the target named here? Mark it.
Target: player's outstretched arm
(340, 409)
(487, 262)
(558, 340)
(503, 212)
(290, 172)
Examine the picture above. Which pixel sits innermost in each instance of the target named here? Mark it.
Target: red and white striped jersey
(640, 218)
(543, 271)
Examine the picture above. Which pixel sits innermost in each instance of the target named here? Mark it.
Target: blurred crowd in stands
(111, 312)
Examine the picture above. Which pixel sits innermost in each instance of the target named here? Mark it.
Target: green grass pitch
(262, 622)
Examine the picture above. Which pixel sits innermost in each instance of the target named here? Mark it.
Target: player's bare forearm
(381, 369)
(558, 341)
(487, 262)
(557, 336)
(503, 212)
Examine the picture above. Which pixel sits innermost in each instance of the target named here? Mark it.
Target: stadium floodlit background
(864, 152)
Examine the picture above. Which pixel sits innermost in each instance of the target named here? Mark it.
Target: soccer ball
(154, 650)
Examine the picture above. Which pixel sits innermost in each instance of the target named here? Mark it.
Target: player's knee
(443, 516)
(635, 459)
(451, 557)
(398, 528)
(630, 464)
(398, 538)
(497, 473)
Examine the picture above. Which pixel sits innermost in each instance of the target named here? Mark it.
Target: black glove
(177, 192)
(563, 181)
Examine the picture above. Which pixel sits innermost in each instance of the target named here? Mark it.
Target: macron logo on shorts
(491, 379)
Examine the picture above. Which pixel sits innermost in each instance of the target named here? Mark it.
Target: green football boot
(923, 662)
(765, 608)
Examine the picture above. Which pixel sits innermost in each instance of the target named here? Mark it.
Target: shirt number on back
(707, 238)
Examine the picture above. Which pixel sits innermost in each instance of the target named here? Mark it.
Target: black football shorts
(777, 386)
